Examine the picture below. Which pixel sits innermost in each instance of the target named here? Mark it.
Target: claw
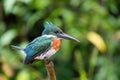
(47, 60)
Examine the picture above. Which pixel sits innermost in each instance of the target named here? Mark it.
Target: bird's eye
(56, 31)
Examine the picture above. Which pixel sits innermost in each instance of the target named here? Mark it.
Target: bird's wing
(38, 46)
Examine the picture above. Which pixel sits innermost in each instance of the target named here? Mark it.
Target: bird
(46, 45)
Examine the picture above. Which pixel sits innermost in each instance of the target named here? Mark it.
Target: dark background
(96, 23)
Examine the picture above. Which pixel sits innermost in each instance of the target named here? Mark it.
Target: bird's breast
(56, 44)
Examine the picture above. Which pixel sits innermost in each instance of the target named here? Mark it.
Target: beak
(66, 36)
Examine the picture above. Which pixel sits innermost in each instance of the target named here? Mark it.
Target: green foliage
(96, 57)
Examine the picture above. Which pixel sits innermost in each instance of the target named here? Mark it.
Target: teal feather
(38, 46)
(50, 29)
(17, 47)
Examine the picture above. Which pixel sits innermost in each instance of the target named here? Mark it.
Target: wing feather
(38, 46)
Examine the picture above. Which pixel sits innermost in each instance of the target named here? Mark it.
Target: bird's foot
(47, 60)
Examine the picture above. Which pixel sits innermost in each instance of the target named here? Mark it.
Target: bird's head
(51, 29)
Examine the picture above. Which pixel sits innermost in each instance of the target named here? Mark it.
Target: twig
(50, 69)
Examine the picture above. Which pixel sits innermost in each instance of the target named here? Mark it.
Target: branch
(50, 69)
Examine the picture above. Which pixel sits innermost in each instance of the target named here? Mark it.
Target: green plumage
(37, 47)
(42, 44)
(51, 29)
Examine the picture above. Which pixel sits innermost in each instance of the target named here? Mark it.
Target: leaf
(23, 75)
(97, 41)
(7, 70)
(3, 77)
(7, 37)
(79, 66)
(8, 5)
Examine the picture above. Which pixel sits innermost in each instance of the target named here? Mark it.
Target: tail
(17, 47)
(29, 60)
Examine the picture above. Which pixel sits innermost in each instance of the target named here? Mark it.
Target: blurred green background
(96, 23)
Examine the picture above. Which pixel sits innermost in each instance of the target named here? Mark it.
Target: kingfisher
(46, 45)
